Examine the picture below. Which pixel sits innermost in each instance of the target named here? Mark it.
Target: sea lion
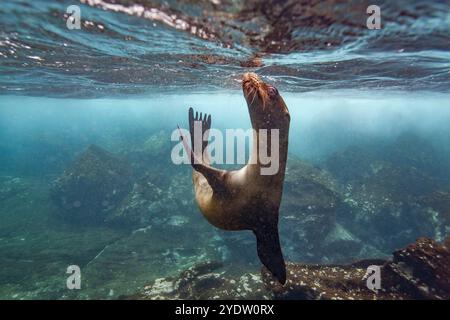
(245, 199)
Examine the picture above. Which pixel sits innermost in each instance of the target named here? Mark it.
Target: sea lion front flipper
(269, 250)
(215, 177)
(205, 126)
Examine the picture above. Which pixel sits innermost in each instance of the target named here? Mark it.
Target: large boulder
(162, 192)
(148, 203)
(422, 269)
(419, 271)
(139, 207)
(308, 226)
(395, 192)
(92, 186)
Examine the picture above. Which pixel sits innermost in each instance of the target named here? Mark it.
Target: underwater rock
(308, 210)
(155, 191)
(152, 159)
(410, 150)
(141, 256)
(161, 190)
(205, 281)
(149, 204)
(11, 186)
(92, 186)
(422, 269)
(307, 200)
(139, 206)
(323, 282)
(387, 224)
(440, 202)
(394, 192)
(342, 246)
(419, 271)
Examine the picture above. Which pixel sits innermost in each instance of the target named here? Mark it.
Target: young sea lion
(245, 199)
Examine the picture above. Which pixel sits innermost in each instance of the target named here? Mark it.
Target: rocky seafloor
(132, 215)
(418, 271)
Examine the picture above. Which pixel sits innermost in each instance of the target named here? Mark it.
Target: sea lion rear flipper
(269, 250)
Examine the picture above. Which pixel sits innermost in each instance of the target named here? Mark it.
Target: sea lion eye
(272, 91)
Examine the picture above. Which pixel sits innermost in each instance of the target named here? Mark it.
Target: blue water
(372, 99)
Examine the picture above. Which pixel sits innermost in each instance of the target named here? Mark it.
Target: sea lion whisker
(249, 91)
(255, 92)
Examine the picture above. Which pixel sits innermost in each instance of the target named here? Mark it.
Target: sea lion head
(265, 104)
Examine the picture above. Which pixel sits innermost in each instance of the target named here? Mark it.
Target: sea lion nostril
(272, 91)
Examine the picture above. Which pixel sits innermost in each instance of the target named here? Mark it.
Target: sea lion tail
(269, 251)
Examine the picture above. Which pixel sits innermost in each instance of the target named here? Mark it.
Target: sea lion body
(245, 199)
(247, 196)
